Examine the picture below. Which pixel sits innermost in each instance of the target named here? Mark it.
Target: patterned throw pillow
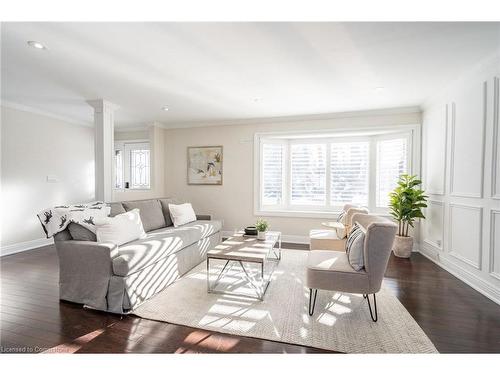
(341, 218)
(354, 247)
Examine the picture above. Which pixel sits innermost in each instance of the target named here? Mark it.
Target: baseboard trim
(460, 273)
(24, 246)
(304, 240)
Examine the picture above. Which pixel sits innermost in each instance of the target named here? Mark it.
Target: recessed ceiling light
(165, 108)
(36, 45)
(380, 88)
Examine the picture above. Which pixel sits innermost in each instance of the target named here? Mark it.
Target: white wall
(33, 147)
(233, 201)
(461, 168)
(156, 138)
(131, 135)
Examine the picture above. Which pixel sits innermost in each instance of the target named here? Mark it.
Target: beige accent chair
(328, 239)
(330, 270)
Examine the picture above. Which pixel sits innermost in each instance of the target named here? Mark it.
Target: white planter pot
(402, 246)
(261, 235)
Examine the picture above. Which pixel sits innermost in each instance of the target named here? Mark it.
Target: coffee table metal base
(260, 286)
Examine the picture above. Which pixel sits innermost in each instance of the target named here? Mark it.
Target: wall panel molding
(453, 191)
(494, 219)
(429, 241)
(442, 190)
(452, 250)
(495, 190)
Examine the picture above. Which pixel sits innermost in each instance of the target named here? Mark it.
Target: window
(392, 161)
(118, 169)
(272, 173)
(132, 165)
(349, 172)
(308, 177)
(321, 173)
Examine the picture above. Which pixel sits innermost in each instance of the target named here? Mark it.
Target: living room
(250, 187)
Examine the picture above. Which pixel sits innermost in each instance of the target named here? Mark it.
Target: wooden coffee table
(241, 249)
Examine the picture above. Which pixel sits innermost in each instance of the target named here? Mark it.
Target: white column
(103, 148)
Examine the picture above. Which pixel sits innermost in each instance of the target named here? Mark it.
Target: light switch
(52, 178)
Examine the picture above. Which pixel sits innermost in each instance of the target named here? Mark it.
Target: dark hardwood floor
(455, 317)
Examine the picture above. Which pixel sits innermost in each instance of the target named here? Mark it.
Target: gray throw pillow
(166, 212)
(151, 213)
(116, 209)
(354, 247)
(80, 233)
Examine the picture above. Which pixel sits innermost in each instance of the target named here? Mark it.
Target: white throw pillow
(121, 228)
(181, 213)
(340, 227)
(341, 231)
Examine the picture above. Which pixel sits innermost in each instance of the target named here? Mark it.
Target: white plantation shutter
(308, 174)
(392, 161)
(272, 173)
(349, 173)
(318, 175)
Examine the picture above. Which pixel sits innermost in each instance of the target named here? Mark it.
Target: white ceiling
(215, 72)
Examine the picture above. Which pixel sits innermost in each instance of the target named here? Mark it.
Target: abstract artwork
(204, 165)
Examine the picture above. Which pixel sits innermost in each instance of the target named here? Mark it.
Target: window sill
(307, 214)
(299, 214)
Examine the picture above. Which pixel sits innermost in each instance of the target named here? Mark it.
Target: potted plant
(262, 227)
(406, 203)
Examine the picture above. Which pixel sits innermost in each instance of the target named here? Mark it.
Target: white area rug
(341, 322)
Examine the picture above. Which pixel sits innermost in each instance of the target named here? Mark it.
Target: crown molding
(283, 119)
(199, 124)
(25, 108)
(29, 109)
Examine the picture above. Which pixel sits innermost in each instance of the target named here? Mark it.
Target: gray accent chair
(117, 279)
(328, 239)
(330, 270)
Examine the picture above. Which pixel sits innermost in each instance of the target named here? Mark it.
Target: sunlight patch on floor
(327, 319)
(75, 345)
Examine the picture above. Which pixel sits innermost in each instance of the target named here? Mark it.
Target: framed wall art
(204, 165)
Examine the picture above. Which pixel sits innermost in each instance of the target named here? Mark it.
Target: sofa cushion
(116, 208)
(166, 212)
(134, 256)
(80, 233)
(150, 211)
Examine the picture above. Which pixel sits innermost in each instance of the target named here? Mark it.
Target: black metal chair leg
(370, 306)
(311, 306)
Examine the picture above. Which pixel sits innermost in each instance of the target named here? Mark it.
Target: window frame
(374, 163)
(341, 135)
(122, 146)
